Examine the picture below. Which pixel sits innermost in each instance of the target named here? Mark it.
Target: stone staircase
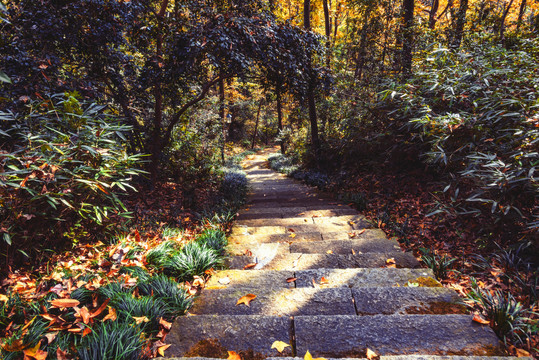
(325, 282)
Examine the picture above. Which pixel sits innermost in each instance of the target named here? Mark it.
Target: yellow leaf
(246, 299)
(111, 315)
(167, 325)
(279, 345)
(232, 355)
(371, 355)
(140, 319)
(16, 345)
(35, 353)
(161, 349)
(308, 356)
(65, 303)
(292, 235)
(329, 251)
(4, 298)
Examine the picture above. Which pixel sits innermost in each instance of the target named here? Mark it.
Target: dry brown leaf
(100, 310)
(249, 266)
(478, 319)
(4, 298)
(86, 331)
(324, 281)
(522, 353)
(371, 355)
(232, 355)
(167, 325)
(353, 252)
(50, 337)
(361, 231)
(279, 345)
(111, 315)
(198, 281)
(140, 319)
(61, 355)
(315, 285)
(291, 279)
(161, 349)
(16, 345)
(84, 313)
(64, 303)
(246, 299)
(35, 353)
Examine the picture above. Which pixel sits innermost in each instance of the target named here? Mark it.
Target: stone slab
(406, 300)
(299, 261)
(214, 335)
(356, 222)
(270, 238)
(354, 234)
(361, 245)
(391, 357)
(260, 230)
(289, 221)
(276, 302)
(363, 277)
(250, 279)
(257, 251)
(349, 336)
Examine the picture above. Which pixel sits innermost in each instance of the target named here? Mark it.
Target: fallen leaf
(308, 356)
(522, 353)
(371, 355)
(167, 325)
(85, 315)
(249, 266)
(291, 230)
(100, 310)
(224, 281)
(329, 251)
(111, 315)
(391, 263)
(50, 337)
(315, 285)
(478, 319)
(64, 303)
(35, 353)
(361, 231)
(353, 252)
(140, 319)
(232, 355)
(161, 349)
(16, 345)
(4, 298)
(292, 235)
(291, 279)
(246, 299)
(61, 355)
(279, 345)
(86, 331)
(198, 281)
(324, 281)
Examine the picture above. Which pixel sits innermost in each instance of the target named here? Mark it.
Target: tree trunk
(502, 22)
(432, 14)
(521, 12)
(311, 86)
(459, 27)
(280, 116)
(222, 116)
(327, 22)
(408, 37)
(256, 123)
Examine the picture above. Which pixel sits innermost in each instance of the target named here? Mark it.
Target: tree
(311, 103)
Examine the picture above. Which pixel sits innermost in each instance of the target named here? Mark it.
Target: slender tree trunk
(502, 22)
(280, 115)
(222, 116)
(256, 123)
(432, 14)
(311, 86)
(327, 22)
(408, 37)
(459, 27)
(521, 12)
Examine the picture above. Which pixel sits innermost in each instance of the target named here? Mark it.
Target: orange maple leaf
(246, 299)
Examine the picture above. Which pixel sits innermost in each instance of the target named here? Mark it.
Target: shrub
(194, 259)
(167, 289)
(213, 238)
(159, 255)
(114, 340)
(62, 169)
(440, 265)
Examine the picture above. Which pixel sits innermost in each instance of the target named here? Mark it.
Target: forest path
(325, 282)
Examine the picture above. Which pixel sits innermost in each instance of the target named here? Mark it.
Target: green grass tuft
(194, 259)
(165, 288)
(213, 238)
(153, 308)
(159, 255)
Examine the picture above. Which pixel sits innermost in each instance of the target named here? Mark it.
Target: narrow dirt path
(325, 282)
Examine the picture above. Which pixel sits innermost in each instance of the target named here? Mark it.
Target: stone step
(251, 279)
(350, 336)
(388, 357)
(251, 336)
(276, 302)
(248, 240)
(288, 221)
(295, 211)
(327, 227)
(372, 242)
(407, 300)
(374, 277)
(258, 250)
(329, 301)
(293, 202)
(300, 261)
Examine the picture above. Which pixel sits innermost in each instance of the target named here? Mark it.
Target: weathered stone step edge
(345, 335)
(363, 245)
(361, 277)
(303, 220)
(279, 213)
(336, 335)
(298, 209)
(327, 227)
(302, 261)
(329, 301)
